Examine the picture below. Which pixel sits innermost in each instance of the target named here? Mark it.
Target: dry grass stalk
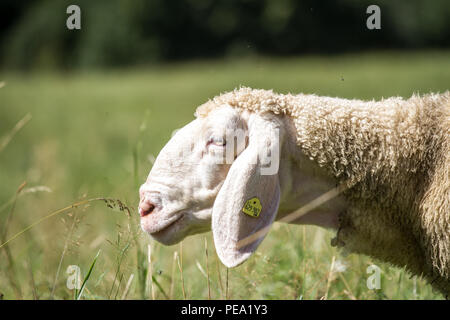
(207, 269)
(220, 277)
(330, 274)
(19, 125)
(66, 245)
(127, 287)
(12, 276)
(348, 291)
(32, 281)
(296, 214)
(226, 287)
(180, 267)
(150, 272)
(111, 203)
(172, 282)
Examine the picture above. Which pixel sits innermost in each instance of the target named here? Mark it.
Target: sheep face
(179, 193)
(221, 171)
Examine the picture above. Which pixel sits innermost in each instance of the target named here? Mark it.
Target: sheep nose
(146, 207)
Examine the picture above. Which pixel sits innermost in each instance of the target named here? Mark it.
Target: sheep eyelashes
(390, 159)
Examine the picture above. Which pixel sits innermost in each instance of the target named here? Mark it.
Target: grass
(94, 135)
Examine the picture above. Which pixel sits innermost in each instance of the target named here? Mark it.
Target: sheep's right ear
(248, 201)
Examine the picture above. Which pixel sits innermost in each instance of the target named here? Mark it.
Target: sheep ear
(249, 198)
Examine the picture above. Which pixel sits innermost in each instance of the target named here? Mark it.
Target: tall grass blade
(150, 272)
(207, 268)
(180, 267)
(158, 285)
(172, 282)
(226, 287)
(66, 245)
(127, 287)
(12, 275)
(19, 125)
(329, 278)
(88, 275)
(54, 213)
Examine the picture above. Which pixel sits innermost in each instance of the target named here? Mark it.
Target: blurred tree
(122, 32)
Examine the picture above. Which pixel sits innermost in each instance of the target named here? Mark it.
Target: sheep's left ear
(248, 201)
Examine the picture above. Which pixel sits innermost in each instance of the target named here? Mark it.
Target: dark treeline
(33, 33)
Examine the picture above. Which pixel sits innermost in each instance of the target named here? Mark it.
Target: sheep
(390, 159)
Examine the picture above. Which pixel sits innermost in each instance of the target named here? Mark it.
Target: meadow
(69, 137)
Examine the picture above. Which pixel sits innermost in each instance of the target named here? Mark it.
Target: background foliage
(124, 33)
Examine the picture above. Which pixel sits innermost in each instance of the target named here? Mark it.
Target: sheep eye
(217, 141)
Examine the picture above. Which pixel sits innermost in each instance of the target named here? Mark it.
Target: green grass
(92, 134)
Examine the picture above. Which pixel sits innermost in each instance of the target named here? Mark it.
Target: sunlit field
(67, 138)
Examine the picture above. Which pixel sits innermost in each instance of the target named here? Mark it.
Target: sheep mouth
(165, 227)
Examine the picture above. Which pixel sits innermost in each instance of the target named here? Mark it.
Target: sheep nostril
(146, 209)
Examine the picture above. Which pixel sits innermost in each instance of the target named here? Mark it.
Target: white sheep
(390, 159)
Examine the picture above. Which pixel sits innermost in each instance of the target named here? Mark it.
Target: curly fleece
(394, 154)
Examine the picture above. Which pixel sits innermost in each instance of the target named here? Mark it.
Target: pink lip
(163, 227)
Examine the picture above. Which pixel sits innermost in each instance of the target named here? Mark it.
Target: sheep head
(219, 172)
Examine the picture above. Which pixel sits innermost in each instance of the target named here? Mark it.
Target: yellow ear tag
(252, 207)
